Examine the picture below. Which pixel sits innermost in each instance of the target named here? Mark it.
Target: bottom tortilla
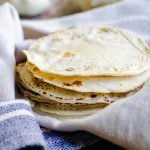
(51, 104)
(62, 114)
(61, 111)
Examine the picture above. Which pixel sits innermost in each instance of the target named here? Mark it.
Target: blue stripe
(18, 125)
(20, 131)
(69, 140)
(12, 107)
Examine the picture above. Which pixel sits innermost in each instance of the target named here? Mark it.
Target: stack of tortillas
(77, 71)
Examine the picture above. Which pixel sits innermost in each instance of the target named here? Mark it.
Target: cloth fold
(7, 59)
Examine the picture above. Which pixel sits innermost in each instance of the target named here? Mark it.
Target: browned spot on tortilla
(69, 69)
(35, 69)
(67, 84)
(44, 93)
(58, 97)
(68, 54)
(93, 95)
(80, 99)
(78, 83)
(105, 29)
(51, 78)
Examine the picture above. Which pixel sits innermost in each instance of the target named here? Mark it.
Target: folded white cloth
(8, 38)
(125, 122)
(18, 128)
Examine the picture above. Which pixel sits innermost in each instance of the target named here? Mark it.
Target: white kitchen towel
(125, 122)
(18, 127)
(8, 35)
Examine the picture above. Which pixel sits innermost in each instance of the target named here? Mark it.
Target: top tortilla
(97, 84)
(90, 51)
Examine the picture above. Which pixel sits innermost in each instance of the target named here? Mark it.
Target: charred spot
(54, 87)
(44, 92)
(35, 93)
(35, 69)
(93, 95)
(67, 84)
(59, 97)
(80, 99)
(78, 83)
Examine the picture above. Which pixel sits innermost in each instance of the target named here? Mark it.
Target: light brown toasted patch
(35, 69)
(105, 29)
(67, 84)
(68, 54)
(77, 83)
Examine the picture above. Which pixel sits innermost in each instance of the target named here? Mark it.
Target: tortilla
(37, 104)
(57, 110)
(99, 84)
(39, 98)
(90, 51)
(47, 109)
(63, 115)
(51, 104)
(63, 95)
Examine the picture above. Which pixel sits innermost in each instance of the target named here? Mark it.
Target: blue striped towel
(18, 127)
(20, 130)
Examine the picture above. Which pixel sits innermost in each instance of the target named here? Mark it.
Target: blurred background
(54, 8)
